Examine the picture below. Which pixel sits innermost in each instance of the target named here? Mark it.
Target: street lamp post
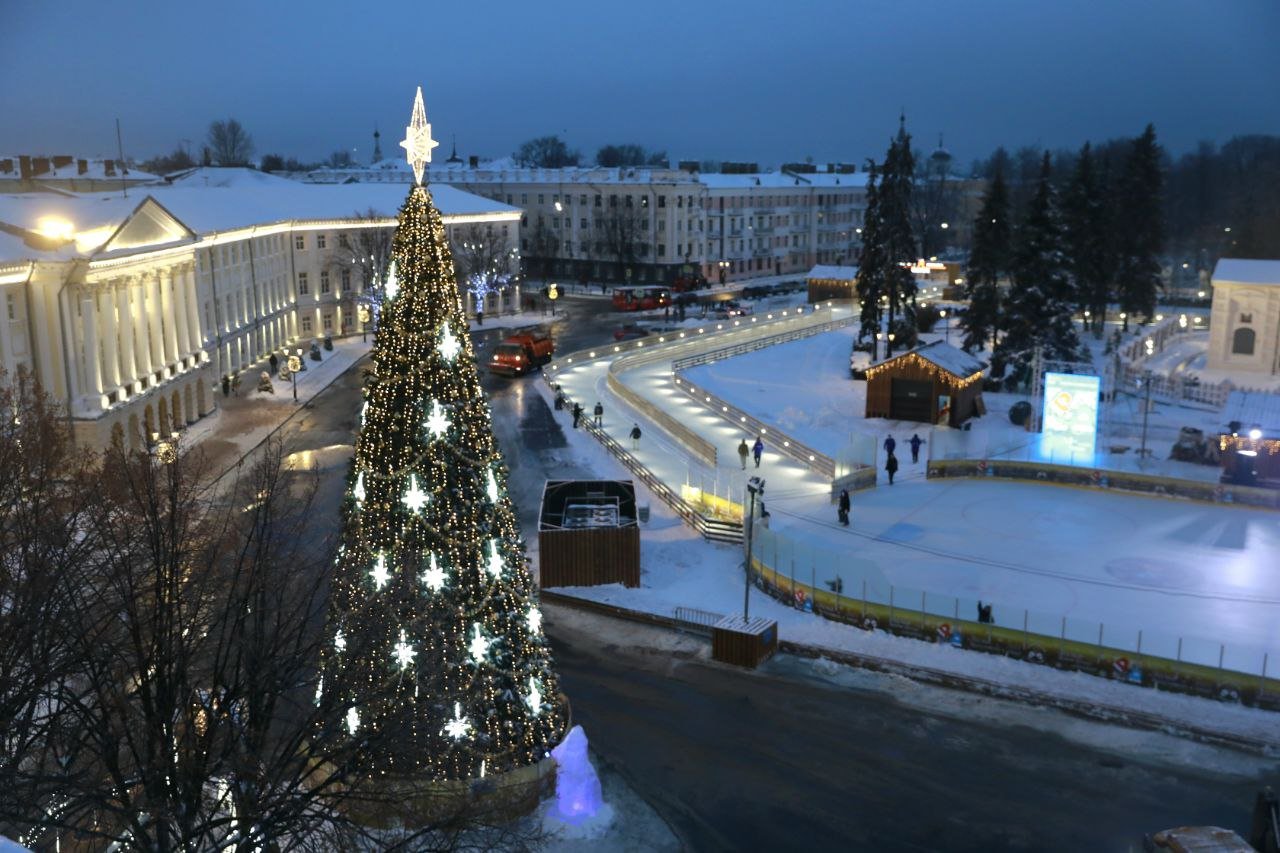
(755, 486)
(553, 293)
(295, 364)
(946, 330)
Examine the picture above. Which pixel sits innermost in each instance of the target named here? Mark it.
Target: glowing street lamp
(295, 364)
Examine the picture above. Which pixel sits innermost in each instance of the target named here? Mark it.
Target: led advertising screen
(1070, 414)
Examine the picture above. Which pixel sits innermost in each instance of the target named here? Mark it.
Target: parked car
(629, 332)
(731, 308)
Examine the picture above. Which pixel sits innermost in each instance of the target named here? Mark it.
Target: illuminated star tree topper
(417, 142)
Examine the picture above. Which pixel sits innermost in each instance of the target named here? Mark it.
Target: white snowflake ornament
(479, 645)
(437, 423)
(494, 566)
(404, 653)
(449, 345)
(414, 498)
(459, 726)
(434, 577)
(380, 574)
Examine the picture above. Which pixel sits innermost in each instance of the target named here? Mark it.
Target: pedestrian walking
(889, 444)
(981, 613)
(479, 317)
(891, 465)
(577, 414)
(844, 507)
(226, 385)
(559, 399)
(274, 361)
(635, 436)
(743, 452)
(757, 450)
(599, 413)
(916, 441)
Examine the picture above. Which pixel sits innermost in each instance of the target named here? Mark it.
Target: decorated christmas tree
(435, 646)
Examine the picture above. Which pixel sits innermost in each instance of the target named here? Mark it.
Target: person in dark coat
(274, 361)
(757, 450)
(599, 413)
(891, 466)
(889, 444)
(635, 436)
(577, 414)
(743, 452)
(559, 398)
(844, 507)
(916, 441)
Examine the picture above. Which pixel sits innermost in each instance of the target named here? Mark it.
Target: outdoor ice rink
(1207, 575)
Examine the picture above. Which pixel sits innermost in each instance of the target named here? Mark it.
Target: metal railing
(816, 461)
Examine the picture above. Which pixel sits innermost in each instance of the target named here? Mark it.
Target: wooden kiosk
(745, 642)
(588, 534)
(932, 384)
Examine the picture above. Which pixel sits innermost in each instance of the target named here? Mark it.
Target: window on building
(306, 324)
(613, 200)
(346, 280)
(583, 223)
(320, 241)
(679, 201)
(9, 305)
(599, 200)
(644, 225)
(524, 245)
(568, 246)
(629, 202)
(644, 201)
(303, 286)
(343, 243)
(540, 198)
(662, 250)
(1242, 342)
(327, 322)
(524, 198)
(662, 201)
(1246, 318)
(324, 281)
(582, 200)
(300, 242)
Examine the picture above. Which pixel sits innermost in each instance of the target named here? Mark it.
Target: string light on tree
(380, 574)
(404, 652)
(414, 498)
(392, 287)
(434, 577)
(534, 697)
(353, 720)
(449, 346)
(479, 645)
(340, 641)
(437, 423)
(358, 492)
(492, 487)
(459, 727)
(495, 565)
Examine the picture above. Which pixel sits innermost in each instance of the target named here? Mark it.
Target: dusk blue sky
(741, 80)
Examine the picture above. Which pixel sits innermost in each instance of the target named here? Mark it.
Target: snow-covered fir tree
(1140, 228)
(1038, 311)
(896, 235)
(871, 261)
(988, 260)
(1088, 241)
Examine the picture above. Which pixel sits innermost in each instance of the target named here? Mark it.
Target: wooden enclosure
(932, 384)
(588, 534)
(744, 643)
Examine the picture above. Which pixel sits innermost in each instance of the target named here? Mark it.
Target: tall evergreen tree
(871, 261)
(1088, 240)
(1140, 227)
(435, 629)
(897, 236)
(988, 260)
(1037, 313)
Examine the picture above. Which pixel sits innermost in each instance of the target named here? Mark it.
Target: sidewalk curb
(302, 406)
(1142, 720)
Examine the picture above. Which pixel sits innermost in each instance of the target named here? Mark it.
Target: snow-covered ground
(680, 569)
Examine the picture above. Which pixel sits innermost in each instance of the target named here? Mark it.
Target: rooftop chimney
(82, 166)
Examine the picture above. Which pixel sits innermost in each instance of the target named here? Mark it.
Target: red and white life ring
(1121, 666)
(982, 466)
(944, 632)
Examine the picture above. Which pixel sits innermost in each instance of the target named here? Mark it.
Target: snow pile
(579, 810)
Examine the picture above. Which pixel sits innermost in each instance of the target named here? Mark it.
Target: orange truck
(521, 353)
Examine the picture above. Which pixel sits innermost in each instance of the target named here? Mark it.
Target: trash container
(642, 513)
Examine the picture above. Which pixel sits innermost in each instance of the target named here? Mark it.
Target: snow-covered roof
(1251, 409)
(831, 271)
(1242, 271)
(232, 199)
(955, 361)
(95, 169)
(783, 180)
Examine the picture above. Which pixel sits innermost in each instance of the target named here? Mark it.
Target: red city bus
(640, 298)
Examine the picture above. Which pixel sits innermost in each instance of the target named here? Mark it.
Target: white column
(155, 331)
(128, 365)
(168, 323)
(193, 308)
(180, 312)
(92, 357)
(110, 331)
(142, 328)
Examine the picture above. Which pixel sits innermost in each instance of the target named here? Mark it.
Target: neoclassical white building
(1244, 331)
(130, 310)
